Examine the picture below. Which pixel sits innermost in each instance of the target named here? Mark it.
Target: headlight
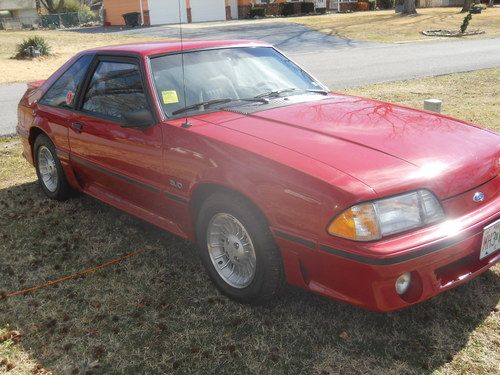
(374, 220)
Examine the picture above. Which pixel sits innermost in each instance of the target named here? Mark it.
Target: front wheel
(237, 249)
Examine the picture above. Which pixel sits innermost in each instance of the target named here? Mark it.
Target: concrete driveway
(335, 61)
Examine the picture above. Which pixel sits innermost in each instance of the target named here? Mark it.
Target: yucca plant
(39, 44)
(465, 23)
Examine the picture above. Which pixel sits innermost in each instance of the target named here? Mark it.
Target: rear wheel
(237, 249)
(49, 169)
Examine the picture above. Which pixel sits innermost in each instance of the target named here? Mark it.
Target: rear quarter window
(63, 92)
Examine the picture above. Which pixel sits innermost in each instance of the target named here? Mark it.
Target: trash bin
(131, 19)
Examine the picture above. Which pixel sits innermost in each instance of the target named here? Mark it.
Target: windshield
(232, 74)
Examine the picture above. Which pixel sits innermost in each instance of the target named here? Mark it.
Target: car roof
(161, 47)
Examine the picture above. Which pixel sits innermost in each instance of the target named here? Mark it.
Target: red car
(232, 145)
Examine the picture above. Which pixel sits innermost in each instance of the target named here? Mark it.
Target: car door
(119, 164)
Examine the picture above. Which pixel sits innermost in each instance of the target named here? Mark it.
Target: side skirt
(139, 212)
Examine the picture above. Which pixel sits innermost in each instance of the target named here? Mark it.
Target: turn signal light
(357, 223)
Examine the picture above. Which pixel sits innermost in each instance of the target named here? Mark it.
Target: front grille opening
(459, 270)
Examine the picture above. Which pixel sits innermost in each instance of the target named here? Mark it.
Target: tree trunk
(409, 7)
(467, 5)
(51, 6)
(491, 3)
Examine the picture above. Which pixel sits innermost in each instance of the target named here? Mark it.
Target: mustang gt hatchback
(232, 145)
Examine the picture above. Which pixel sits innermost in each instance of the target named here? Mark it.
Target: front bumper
(439, 258)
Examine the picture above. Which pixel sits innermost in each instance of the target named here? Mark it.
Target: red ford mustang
(232, 145)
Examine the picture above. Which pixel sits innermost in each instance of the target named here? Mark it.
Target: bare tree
(93, 4)
(51, 6)
(409, 7)
(467, 5)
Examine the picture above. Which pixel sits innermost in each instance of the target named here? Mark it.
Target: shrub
(84, 12)
(386, 4)
(257, 12)
(321, 10)
(306, 8)
(37, 42)
(373, 4)
(465, 23)
(287, 9)
(72, 6)
(362, 5)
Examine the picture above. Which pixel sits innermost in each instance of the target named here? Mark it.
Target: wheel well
(204, 191)
(34, 133)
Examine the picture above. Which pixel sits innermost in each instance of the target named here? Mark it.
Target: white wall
(17, 4)
(166, 11)
(208, 10)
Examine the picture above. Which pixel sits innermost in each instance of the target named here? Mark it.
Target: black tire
(268, 278)
(62, 190)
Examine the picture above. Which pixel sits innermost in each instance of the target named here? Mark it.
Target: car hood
(388, 147)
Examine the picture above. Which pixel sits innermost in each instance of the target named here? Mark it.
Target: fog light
(403, 283)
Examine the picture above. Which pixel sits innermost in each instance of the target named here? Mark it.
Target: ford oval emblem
(478, 196)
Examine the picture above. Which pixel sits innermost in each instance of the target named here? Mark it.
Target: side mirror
(141, 118)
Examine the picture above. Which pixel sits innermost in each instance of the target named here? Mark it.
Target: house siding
(114, 9)
(17, 4)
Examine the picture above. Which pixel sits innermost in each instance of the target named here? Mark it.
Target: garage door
(166, 11)
(208, 10)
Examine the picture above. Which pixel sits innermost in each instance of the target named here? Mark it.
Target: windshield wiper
(208, 103)
(276, 93)
(318, 91)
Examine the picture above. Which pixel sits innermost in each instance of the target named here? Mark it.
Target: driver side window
(115, 88)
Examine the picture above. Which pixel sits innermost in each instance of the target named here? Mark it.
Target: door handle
(77, 127)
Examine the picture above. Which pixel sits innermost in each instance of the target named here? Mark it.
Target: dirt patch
(451, 33)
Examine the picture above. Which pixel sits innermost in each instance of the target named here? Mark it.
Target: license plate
(491, 239)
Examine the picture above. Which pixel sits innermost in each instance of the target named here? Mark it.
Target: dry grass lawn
(64, 45)
(157, 313)
(386, 26)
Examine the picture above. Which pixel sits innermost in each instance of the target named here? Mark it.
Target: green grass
(157, 313)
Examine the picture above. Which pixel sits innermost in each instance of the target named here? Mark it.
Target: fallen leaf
(343, 334)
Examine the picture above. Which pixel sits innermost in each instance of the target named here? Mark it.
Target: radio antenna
(186, 124)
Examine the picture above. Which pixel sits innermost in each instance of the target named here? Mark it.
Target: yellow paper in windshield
(169, 97)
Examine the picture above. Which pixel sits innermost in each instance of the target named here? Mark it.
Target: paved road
(9, 97)
(289, 37)
(347, 67)
(335, 61)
